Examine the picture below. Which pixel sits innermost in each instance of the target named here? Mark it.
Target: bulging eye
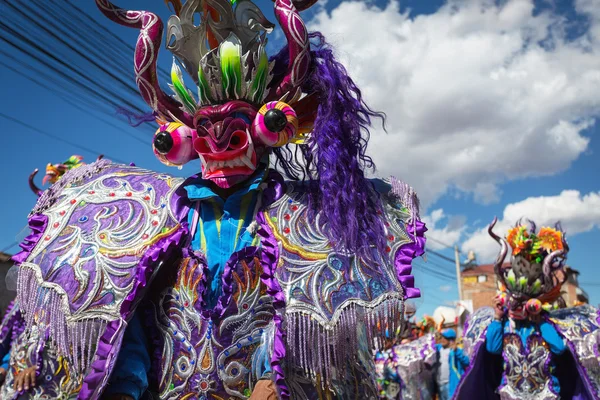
(275, 124)
(275, 120)
(163, 142)
(172, 144)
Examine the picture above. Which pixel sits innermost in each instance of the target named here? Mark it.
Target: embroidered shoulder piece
(580, 326)
(330, 293)
(94, 246)
(475, 329)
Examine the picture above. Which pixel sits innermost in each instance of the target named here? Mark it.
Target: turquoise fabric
(524, 329)
(458, 363)
(5, 361)
(222, 229)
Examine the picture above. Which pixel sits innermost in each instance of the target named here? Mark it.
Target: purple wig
(334, 157)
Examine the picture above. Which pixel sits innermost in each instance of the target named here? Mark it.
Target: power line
(441, 256)
(433, 272)
(440, 242)
(58, 138)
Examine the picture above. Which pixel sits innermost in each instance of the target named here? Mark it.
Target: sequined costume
(540, 351)
(235, 275)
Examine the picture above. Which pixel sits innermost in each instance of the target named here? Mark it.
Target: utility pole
(458, 277)
(459, 282)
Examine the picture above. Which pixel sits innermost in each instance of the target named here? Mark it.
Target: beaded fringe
(322, 350)
(43, 308)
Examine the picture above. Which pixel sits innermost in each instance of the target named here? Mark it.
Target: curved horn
(503, 250)
(547, 265)
(100, 157)
(38, 192)
(146, 55)
(298, 46)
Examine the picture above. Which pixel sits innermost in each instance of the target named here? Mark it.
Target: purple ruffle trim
(227, 282)
(269, 257)
(109, 344)
(404, 256)
(37, 224)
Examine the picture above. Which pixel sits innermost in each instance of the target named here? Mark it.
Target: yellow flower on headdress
(550, 239)
(517, 238)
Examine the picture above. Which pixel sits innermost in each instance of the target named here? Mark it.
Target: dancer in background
(528, 347)
(450, 364)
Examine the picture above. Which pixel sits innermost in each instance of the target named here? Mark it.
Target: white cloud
(448, 235)
(577, 213)
(472, 97)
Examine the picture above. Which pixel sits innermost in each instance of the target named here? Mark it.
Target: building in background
(6, 296)
(479, 285)
(572, 293)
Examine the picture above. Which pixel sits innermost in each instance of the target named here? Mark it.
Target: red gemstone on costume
(55, 225)
(91, 192)
(286, 230)
(294, 208)
(153, 212)
(62, 213)
(287, 217)
(145, 236)
(245, 306)
(388, 249)
(128, 194)
(186, 304)
(391, 238)
(146, 197)
(154, 223)
(73, 201)
(203, 385)
(47, 238)
(103, 236)
(111, 194)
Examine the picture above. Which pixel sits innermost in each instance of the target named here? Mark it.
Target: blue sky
(466, 206)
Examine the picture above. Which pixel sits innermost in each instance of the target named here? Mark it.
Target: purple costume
(323, 277)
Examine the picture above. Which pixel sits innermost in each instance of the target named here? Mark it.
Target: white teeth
(247, 162)
(250, 149)
(204, 162)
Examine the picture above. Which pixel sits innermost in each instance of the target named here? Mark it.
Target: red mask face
(225, 144)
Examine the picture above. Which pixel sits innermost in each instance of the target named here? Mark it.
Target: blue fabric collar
(201, 189)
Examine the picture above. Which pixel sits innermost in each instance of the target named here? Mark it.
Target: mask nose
(218, 137)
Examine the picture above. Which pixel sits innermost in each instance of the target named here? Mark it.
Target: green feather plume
(230, 56)
(537, 286)
(182, 93)
(511, 279)
(204, 92)
(259, 83)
